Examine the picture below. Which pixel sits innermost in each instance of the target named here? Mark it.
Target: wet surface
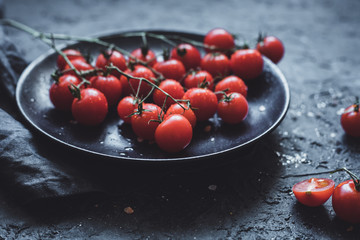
(246, 194)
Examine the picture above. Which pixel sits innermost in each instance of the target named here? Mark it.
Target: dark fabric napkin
(24, 171)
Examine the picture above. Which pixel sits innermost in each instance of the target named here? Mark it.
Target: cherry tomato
(187, 54)
(71, 54)
(171, 69)
(143, 124)
(126, 89)
(346, 201)
(314, 191)
(198, 78)
(247, 63)
(141, 72)
(272, 48)
(174, 133)
(60, 95)
(170, 86)
(350, 120)
(203, 101)
(91, 108)
(79, 65)
(233, 108)
(216, 63)
(231, 84)
(126, 107)
(110, 86)
(111, 57)
(220, 39)
(185, 110)
(149, 57)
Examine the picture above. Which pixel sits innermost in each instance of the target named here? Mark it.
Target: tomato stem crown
(356, 104)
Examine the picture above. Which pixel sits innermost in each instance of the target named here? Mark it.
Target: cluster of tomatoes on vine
(314, 192)
(163, 99)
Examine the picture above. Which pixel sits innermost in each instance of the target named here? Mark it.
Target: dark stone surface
(248, 199)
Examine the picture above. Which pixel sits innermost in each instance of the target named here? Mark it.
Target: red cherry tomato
(171, 87)
(171, 69)
(233, 108)
(346, 201)
(272, 48)
(198, 78)
(79, 65)
(126, 89)
(141, 72)
(203, 101)
(60, 95)
(71, 54)
(220, 39)
(231, 84)
(314, 191)
(91, 108)
(111, 57)
(143, 124)
(126, 107)
(149, 57)
(216, 63)
(110, 86)
(185, 110)
(350, 120)
(247, 63)
(174, 133)
(187, 54)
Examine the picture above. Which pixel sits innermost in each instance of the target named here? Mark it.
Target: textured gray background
(252, 199)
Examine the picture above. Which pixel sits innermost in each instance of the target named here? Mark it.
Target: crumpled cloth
(23, 170)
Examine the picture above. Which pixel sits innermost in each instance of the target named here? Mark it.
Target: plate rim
(110, 34)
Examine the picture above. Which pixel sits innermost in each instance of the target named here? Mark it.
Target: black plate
(268, 98)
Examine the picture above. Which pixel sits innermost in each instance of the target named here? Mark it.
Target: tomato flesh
(314, 192)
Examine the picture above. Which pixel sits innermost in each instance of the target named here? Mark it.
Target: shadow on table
(166, 195)
(310, 219)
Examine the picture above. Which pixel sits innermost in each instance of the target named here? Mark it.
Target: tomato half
(314, 191)
(346, 201)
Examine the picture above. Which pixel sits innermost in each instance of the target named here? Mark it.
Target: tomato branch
(352, 175)
(148, 82)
